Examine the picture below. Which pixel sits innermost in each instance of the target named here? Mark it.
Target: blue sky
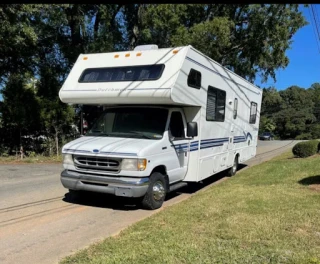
(304, 55)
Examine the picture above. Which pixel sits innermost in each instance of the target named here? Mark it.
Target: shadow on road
(130, 204)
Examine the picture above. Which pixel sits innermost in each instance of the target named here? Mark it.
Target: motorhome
(171, 116)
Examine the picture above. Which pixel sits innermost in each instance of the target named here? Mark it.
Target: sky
(304, 59)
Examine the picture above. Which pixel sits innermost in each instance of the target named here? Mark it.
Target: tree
(57, 118)
(19, 110)
(296, 114)
(40, 44)
(249, 39)
(18, 39)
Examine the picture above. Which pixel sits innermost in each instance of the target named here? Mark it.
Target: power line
(315, 20)
(316, 12)
(314, 30)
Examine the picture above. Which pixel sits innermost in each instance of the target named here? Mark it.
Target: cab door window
(176, 127)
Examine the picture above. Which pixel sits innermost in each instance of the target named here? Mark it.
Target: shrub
(31, 154)
(306, 149)
(304, 136)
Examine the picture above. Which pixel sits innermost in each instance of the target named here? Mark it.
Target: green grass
(34, 159)
(262, 215)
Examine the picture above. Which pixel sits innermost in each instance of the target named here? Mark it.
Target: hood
(111, 146)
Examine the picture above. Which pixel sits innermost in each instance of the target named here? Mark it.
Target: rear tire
(156, 192)
(233, 170)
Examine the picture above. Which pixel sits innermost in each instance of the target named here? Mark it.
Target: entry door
(180, 143)
(231, 137)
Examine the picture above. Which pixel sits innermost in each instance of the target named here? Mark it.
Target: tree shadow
(102, 200)
(310, 180)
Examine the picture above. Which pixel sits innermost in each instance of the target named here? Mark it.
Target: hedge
(306, 149)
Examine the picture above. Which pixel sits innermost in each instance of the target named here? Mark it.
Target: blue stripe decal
(194, 146)
(206, 143)
(214, 139)
(217, 141)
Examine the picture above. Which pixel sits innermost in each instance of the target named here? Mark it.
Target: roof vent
(146, 47)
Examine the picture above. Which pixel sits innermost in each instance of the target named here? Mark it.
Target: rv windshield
(130, 122)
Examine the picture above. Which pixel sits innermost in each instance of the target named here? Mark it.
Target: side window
(253, 113)
(176, 127)
(216, 104)
(235, 108)
(194, 79)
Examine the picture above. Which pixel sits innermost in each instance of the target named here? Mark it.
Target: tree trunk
(21, 147)
(57, 142)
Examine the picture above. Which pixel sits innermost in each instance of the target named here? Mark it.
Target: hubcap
(158, 191)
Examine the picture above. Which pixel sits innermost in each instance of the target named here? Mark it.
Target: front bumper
(119, 186)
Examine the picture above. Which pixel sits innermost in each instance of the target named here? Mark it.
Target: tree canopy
(40, 43)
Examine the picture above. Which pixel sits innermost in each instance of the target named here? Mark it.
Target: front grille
(97, 164)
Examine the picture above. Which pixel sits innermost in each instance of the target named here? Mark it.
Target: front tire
(156, 192)
(233, 170)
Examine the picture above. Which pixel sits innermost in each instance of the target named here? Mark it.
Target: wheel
(156, 192)
(233, 170)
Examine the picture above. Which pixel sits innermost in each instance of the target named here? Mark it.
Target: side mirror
(192, 129)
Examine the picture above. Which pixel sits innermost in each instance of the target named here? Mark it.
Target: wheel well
(237, 156)
(163, 170)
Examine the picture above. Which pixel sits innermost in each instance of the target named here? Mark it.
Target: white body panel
(191, 160)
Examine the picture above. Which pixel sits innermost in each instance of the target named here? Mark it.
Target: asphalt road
(40, 223)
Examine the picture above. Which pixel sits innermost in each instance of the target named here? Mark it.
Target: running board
(177, 185)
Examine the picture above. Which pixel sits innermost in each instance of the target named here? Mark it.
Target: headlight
(67, 159)
(134, 164)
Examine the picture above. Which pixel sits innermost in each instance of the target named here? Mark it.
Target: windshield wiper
(142, 134)
(95, 132)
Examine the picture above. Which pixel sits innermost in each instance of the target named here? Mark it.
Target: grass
(34, 159)
(265, 214)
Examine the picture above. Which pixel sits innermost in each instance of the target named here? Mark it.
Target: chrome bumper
(119, 186)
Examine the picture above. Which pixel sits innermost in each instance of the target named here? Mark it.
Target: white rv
(172, 116)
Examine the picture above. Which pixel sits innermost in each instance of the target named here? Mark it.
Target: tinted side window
(194, 79)
(235, 108)
(216, 104)
(253, 113)
(176, 126)
(122, 74)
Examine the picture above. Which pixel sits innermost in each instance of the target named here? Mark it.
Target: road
(40, 223)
